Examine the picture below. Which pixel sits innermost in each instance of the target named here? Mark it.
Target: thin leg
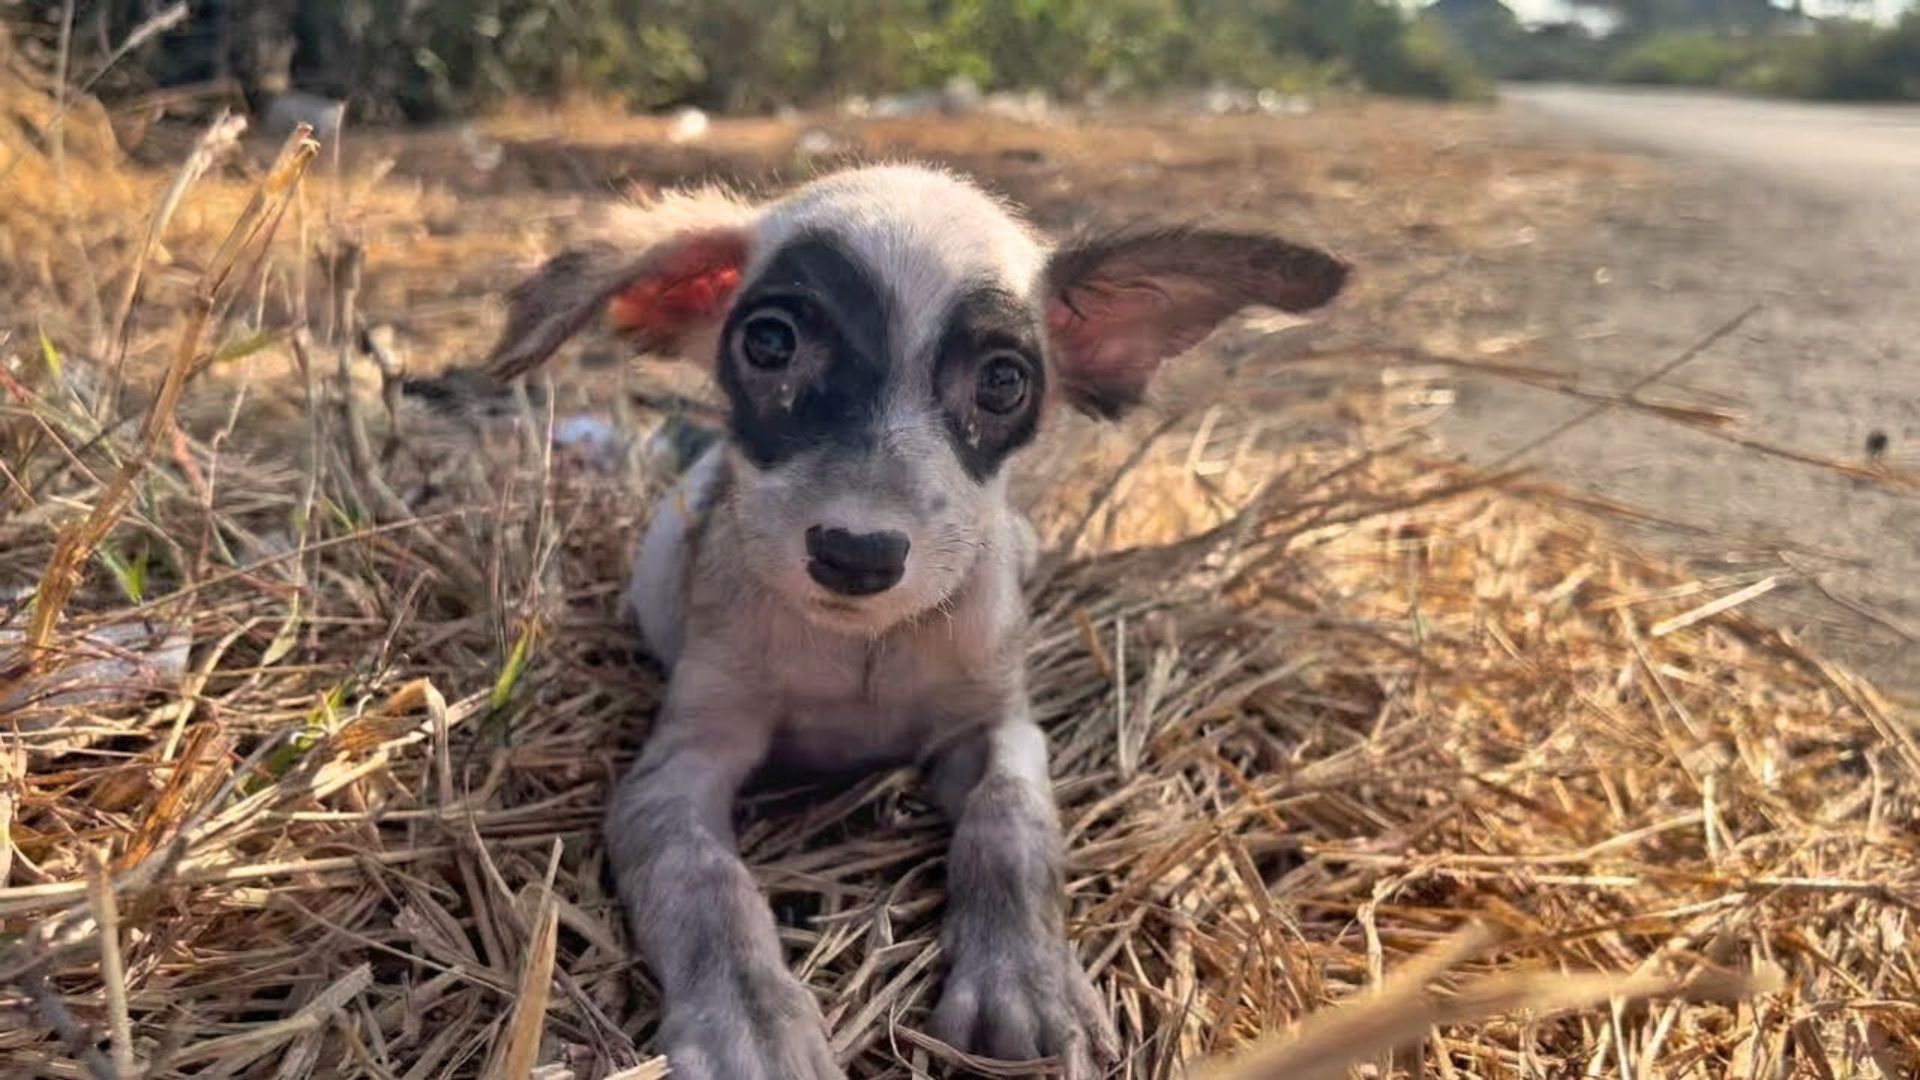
(732, 1009)
(1015, 990)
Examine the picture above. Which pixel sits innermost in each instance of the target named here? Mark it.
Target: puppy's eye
(1003, 382)
(768, 339)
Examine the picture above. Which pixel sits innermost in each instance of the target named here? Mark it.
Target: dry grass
(1317, 705)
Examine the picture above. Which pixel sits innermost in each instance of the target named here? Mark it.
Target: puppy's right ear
(657, 299)
(1121, 305)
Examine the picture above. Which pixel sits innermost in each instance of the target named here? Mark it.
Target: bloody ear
(656, 299)
(1119, 305)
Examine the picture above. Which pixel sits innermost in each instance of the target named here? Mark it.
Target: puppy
(837, 584)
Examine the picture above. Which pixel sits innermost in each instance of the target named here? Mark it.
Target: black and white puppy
(838, 582)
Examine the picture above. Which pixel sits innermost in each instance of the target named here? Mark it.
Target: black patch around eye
(988, 379)
(829, 389)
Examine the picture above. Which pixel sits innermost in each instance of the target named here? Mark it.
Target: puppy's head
(886, 338)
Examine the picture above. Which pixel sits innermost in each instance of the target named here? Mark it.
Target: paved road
(1812, 212)
(1845, 151)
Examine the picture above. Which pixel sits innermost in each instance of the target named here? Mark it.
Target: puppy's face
(884, 356)
(886, 338)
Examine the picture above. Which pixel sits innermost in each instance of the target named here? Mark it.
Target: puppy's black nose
(856, 564)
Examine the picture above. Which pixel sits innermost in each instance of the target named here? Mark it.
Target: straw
(1317, 706)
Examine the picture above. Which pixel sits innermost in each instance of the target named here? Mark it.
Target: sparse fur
(838, 583)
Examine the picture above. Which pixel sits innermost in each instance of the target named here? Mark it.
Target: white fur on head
(925, 233)
(646, 222)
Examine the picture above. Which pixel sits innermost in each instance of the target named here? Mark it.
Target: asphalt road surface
(1849, 152)
(1810, 212)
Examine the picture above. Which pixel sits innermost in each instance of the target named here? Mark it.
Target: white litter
(814, 142)
(1026, 106)
(486, 154)
(689, 125)
(107, 666)
(592, 440)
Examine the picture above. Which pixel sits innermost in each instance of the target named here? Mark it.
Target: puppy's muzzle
(856, 564)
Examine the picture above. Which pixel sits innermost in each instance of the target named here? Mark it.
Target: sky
(1554, 10)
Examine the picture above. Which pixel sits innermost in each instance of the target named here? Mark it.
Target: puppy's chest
(851, 703)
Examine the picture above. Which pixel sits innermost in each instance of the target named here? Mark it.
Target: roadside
(1804, 213)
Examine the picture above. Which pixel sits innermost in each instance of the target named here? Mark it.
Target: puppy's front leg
(1014, 990)
(731, 1009)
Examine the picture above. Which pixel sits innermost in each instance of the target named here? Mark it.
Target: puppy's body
(838, 583)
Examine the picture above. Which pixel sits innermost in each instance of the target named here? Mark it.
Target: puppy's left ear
(655, 299)
(1120, 305)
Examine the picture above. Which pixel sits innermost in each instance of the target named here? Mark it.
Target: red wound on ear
(692, 285)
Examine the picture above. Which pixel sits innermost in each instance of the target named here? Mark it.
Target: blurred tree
(418, 59)
(1639, 18)
(1486, 30)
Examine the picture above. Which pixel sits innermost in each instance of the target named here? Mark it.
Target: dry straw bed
(1410, 770)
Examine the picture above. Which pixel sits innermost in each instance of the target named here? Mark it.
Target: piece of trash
(1221, 99)
(111, 665)
(591, 440)
(1026, 106)
(900, 106)
(689, 125)
(486, 154)
(814, 142)
(583, 431)
(1274, 103)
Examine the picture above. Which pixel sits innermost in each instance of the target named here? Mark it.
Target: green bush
(1683, 60)
(421, 59)
(1558, 52)
(1842, 60)
(1426, 64)
(1854, 62)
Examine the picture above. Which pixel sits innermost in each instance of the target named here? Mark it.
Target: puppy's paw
(753, 1027)
(1020, 1001)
